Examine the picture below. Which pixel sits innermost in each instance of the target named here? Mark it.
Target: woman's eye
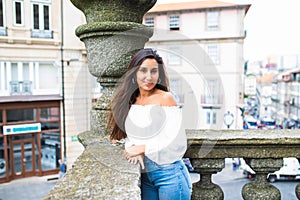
(143, 70)
(154, 71)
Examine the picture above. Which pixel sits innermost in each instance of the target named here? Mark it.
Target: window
(18, 13)
(174, 22)
(211, 117)
(208, 117)
(149, 21)
(1, 119)
(50, 146)
(2, 22)
(21, 115)
(49, 113)
(175, 88)
(47, 74)
(214, 118)
(212, 20)
(173, 55)
(1, 14)
(41, 20)
(212, 93)
(214, 54)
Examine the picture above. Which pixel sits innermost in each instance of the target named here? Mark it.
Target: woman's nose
(148, 75)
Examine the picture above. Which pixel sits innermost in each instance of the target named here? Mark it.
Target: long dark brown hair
(127, 91)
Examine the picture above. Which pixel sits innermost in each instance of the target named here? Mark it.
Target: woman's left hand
(133, 151)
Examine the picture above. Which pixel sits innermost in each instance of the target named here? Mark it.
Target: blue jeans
(165, 182)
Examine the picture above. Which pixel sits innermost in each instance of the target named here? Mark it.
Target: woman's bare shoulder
(167, 99)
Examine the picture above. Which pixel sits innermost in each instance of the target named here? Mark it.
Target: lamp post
(228, 119)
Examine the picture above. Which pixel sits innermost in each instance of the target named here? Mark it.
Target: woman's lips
(148, 84)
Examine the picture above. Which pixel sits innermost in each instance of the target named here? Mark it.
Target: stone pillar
(113, 33)
(205, 188)
(297, 191)
(260, 189)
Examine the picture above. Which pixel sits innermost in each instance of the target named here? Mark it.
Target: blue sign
(21, 128)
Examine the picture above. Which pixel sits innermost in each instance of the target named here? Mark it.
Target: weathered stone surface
(112, 35)
(116, 10)
(243, 143)
(205, 188)
(297, 191)
(99, 173)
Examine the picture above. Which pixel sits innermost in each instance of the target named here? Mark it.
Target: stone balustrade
(102, 172)
(266, 149)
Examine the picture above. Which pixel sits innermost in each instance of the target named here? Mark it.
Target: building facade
(202, 45)
(45, 87)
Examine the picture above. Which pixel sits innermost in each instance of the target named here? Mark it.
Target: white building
(202, 45)
(45, 87)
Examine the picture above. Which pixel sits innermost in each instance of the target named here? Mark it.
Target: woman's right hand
(137, 159)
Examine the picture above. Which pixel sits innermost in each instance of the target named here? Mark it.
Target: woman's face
(147, 74)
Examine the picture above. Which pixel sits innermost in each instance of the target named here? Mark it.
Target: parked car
(289, 171)
(267, 123)
(250, 122)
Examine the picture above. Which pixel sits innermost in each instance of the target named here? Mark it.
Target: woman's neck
(145, 94)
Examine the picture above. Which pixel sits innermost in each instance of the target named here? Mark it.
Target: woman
(145, 114)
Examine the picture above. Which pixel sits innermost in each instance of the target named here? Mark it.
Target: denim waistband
(153, 166)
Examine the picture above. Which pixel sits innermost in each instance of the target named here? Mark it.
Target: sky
(272, 27)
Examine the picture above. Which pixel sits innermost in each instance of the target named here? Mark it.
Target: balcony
(41, 34)
(3, 31)
(211, 101)
(20, 87)
(102, 172)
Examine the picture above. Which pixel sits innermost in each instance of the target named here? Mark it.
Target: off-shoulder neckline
(139, 105)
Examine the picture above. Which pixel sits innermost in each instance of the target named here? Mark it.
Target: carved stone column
(205, 188)
(297, 191)
(260, 189)
(113, 33)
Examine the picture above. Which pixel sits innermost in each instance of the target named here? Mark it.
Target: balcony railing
(102, 172)
(20, 87)
(3, 31)
(211, 100)
(41, 33)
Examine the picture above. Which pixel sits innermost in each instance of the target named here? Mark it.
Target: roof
(195, 5)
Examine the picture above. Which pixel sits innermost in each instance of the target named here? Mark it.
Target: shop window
(50, 146)
(49, 113)
(2, 159)
(21, 115)
(49, 126)
(1, 119)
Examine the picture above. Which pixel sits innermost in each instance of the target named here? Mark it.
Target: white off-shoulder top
(160, 129)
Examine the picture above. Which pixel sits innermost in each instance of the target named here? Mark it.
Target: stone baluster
(297, 191)
(260, 189)
(205, 188)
